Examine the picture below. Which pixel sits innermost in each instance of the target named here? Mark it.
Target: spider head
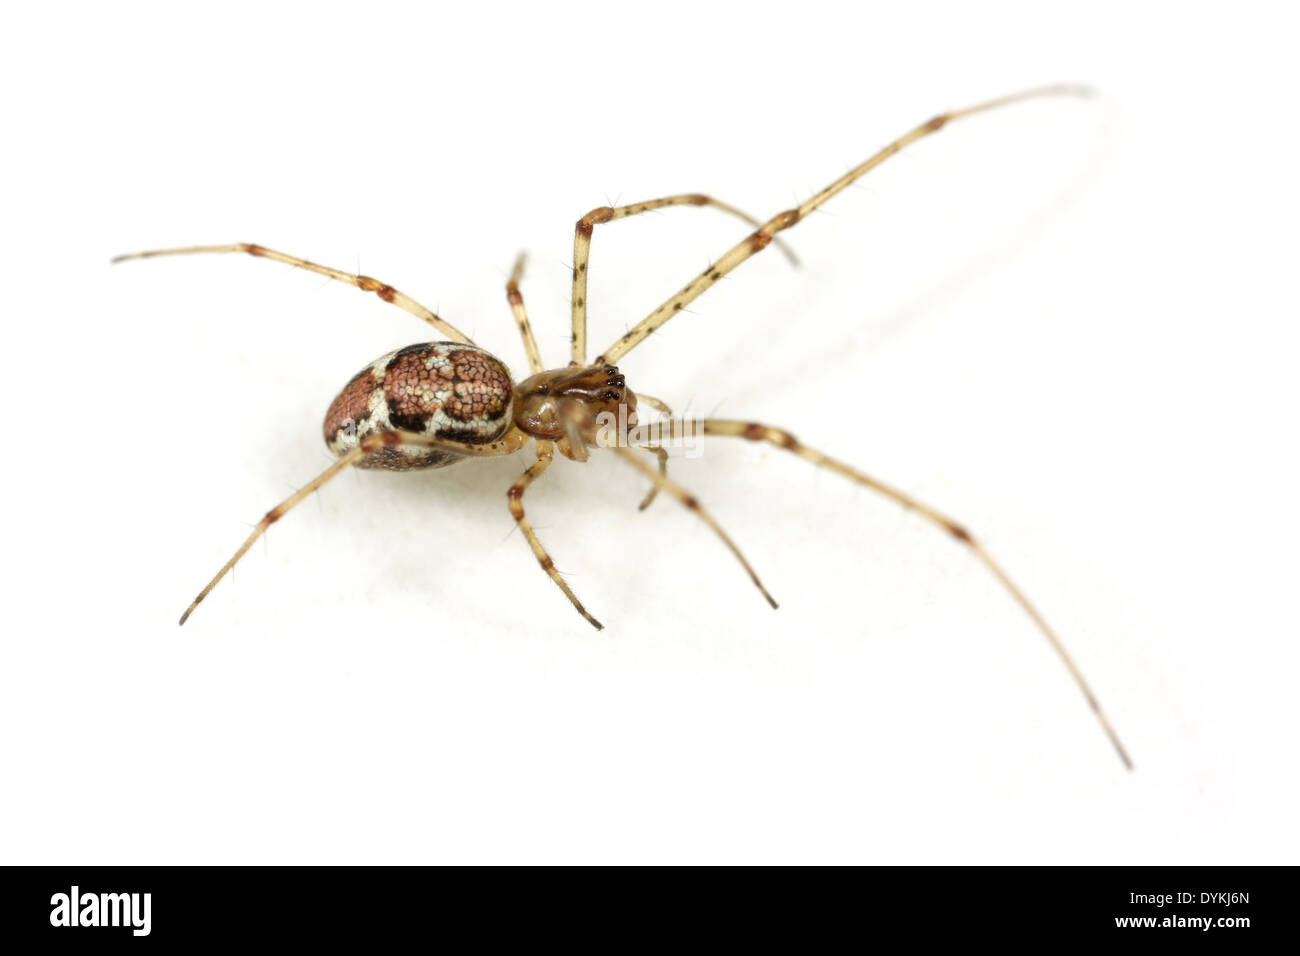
(549, 405)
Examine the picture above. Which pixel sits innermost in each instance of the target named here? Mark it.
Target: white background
(1072, 325)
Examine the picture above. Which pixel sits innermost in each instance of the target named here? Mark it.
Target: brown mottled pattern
(394, 459)
(480, 387)
(352, 406)
(411, 388)
(426, 388)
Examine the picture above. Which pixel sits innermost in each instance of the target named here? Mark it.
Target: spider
(438, 403)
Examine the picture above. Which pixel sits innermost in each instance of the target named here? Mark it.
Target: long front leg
(545, 454)
(754, 431)
(364, 283)
(602, 214)
(763, 236)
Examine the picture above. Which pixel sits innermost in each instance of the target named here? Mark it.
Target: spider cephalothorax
(565, 405)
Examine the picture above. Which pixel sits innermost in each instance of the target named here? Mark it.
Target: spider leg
(783, 439)
(582, 250)
(511, 442)
(662, 408)
(759, 240)
(364, 283)
(545, 454)
(690, 502)
(516, 300)
(662, 453)
(658, 404)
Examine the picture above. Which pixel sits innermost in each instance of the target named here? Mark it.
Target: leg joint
(782, 439)
(594, 218)
(381, 289)
(763, 236)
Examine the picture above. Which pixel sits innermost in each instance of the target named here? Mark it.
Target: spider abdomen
(440, 389)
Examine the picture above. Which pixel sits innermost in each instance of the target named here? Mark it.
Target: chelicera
(438, 403)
